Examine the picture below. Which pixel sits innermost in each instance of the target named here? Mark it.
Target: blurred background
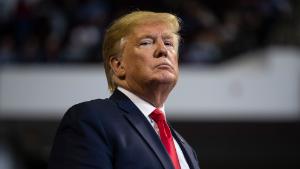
(236, 102)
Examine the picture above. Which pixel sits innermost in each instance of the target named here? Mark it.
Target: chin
(167, 79)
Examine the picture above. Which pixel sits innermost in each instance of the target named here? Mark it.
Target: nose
(161, 50)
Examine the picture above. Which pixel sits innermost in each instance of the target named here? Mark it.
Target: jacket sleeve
(81, 142)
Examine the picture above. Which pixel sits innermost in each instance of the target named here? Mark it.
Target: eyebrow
(164, 36)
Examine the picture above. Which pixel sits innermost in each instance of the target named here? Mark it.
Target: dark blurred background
(237, 101)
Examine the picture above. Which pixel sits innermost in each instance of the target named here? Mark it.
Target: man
(128, 130)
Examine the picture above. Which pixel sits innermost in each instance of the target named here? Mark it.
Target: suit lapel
(187, 150)
(140, 123)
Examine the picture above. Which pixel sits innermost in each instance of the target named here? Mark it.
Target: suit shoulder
(90, 109)
(92, 103)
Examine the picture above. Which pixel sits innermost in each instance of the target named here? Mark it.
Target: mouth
(164, 66)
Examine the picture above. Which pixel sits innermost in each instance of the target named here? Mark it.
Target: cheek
(174, 58)
(143, 58)
(175, 63)
(139, 64)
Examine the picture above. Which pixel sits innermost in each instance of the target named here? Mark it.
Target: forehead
(152, 29)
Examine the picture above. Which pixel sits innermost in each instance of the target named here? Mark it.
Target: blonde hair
(122, 27)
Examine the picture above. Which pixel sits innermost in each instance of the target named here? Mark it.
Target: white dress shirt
(146, 108)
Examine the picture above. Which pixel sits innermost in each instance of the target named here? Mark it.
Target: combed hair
(120, 28)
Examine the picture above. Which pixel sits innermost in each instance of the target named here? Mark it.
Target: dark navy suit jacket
(111, 134)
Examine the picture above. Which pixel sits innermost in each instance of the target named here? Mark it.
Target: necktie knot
(157, 115)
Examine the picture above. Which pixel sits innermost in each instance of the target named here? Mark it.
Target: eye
(145, 42)
(169, 43)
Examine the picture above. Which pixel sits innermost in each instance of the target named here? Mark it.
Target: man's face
(150, 56)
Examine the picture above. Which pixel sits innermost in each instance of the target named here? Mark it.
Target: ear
(117, 67)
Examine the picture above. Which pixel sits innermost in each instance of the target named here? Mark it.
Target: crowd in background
(71, 31)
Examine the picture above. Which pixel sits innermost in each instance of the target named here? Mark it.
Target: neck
(153, 94)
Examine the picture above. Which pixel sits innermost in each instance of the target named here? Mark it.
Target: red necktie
(165, 136)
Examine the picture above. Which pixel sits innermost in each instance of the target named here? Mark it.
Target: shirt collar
(145, 107)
